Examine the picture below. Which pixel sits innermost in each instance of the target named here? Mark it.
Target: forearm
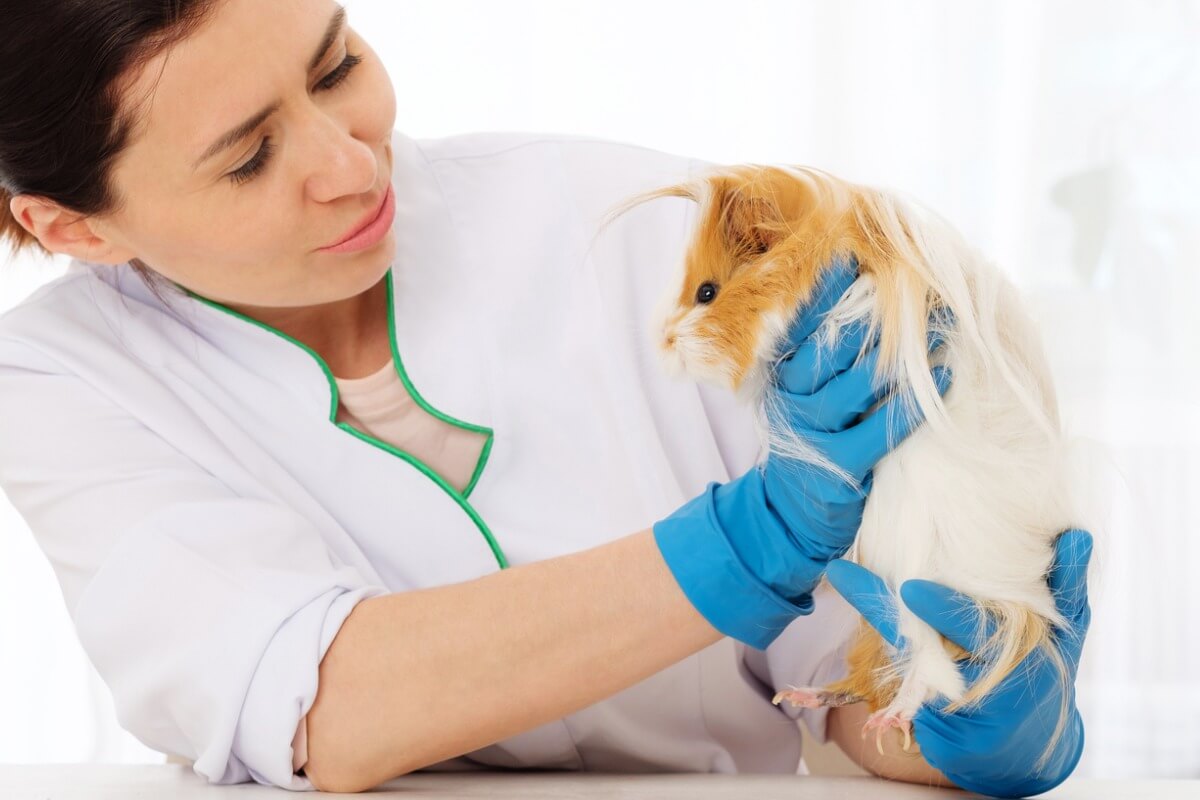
(845, 727)
(417, 677)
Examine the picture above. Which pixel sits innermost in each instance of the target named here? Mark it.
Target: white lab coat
(211, 526)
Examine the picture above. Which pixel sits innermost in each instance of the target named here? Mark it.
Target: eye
(256, 164)
(340, 73)
(706, 293)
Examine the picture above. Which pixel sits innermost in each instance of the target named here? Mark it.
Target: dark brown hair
(62, 119)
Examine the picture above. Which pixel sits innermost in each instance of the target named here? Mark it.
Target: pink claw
(807, 698)
(881, 721)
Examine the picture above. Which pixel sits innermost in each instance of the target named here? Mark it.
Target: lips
(363, 223)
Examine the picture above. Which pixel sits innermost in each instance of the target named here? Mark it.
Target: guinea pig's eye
(706, 293)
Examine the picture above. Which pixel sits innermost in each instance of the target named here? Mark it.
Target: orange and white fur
(975, 497)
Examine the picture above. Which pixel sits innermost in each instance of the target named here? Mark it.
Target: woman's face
(244, 224)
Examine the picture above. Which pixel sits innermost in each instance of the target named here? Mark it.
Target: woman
(335, 439)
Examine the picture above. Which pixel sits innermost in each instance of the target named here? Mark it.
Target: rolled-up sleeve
(206, 613)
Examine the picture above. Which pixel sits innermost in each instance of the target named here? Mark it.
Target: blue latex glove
(823, 395)
(991, 748)
(749, 552)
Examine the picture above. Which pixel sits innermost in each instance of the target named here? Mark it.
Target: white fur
(975, 497)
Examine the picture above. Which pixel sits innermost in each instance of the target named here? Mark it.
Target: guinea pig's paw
(812, 697)
(885, 719)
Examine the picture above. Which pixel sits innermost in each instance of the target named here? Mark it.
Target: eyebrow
(240, 132)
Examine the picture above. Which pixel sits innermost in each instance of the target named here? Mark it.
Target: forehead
(240, 59)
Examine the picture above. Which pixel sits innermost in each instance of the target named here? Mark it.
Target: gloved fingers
(840, 389)
(883, 430)
(935, 338)
(1068, 574)
(837, 403)
(831, 285)
(1068, 582)
(813, 365)
(867, 482)
(812, 484)
(869, 594)
(952, 614)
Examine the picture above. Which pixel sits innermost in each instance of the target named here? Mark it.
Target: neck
(350, 335)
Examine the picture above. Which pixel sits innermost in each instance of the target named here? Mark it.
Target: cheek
(693, 349)
(214, 232)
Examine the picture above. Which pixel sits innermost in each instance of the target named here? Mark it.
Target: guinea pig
(975, 497)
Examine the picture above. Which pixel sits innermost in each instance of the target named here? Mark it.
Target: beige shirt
(380, 406)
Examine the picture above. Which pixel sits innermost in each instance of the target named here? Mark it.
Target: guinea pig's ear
(751, 225)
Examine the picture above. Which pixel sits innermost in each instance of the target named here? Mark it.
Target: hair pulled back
(62, 119)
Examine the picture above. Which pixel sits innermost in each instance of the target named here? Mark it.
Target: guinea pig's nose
(671, 340)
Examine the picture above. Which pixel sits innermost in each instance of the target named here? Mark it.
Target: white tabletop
(170, 781)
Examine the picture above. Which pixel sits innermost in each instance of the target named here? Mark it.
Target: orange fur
(766, 235)
(870, 678)
(868, 660)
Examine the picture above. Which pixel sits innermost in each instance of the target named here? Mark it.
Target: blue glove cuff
(716, 580)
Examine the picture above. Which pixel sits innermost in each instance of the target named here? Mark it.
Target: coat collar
(438, 321)
(434, 321)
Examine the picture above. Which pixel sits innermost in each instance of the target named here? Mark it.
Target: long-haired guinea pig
(976, 496)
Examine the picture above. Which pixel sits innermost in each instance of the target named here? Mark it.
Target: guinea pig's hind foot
(812, 697)
(884, 719)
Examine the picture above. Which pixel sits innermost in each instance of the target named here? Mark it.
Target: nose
(341, 164)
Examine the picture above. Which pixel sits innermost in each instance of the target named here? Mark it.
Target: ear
(61, 230)
(751, 224)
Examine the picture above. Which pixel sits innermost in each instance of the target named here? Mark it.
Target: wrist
(778, 555)
(717, 580)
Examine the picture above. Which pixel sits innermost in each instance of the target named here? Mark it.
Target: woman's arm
(420, 676)
(845, 725)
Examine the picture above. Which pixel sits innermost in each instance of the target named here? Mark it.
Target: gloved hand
(991, 748)
(749, 552)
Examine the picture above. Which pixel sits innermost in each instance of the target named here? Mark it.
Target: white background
(1060, 137)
